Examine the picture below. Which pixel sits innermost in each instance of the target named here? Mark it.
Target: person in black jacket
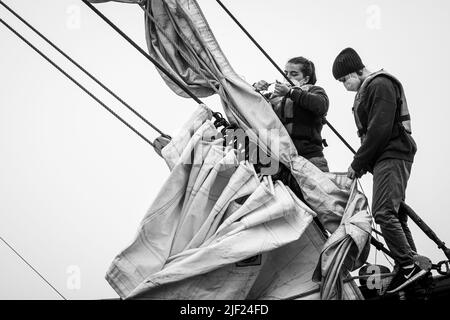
(387, 150)
(301, 109)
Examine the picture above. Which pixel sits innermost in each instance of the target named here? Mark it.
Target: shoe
(405, 277)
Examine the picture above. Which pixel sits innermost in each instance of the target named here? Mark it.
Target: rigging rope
(145, 54)
(377, 233)
(33, 268)
(279, 69)
(74, 81)
(82, 68)
(216, 115)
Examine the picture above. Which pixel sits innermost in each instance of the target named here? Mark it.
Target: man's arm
(314, 100)
(382, 111)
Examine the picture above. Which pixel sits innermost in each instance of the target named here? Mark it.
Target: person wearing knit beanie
(387, 150)
(347, 61)
(349, 69)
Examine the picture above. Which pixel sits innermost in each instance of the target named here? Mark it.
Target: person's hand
(261, 85)
(351, 173)
(281, 89)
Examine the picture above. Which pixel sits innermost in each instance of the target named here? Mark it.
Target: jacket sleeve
(314, 100)
(382, 107)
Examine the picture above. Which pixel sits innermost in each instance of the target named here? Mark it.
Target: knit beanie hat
(348, 61)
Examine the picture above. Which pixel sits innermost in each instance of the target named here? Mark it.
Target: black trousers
(390, 178)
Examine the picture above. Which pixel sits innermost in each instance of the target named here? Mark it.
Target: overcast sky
(75, 182)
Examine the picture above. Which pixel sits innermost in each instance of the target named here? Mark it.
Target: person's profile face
(351, 82)
(293, 72)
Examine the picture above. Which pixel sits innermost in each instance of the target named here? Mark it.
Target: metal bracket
(443, 267)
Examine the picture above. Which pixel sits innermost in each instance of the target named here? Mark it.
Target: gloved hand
(261, 85)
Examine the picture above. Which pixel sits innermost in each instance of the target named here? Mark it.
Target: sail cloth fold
(197, 225)
(216, 229)
(347, 248)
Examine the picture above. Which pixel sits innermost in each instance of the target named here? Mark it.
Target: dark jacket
(303, 114)
(384, 136)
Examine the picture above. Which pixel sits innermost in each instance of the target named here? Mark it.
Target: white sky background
(75, 182)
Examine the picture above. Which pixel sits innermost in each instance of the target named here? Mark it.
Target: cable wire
(81, 68)
(279, 69)
(376, 231)
(74, 81)
(33, 268)
(145, 54)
